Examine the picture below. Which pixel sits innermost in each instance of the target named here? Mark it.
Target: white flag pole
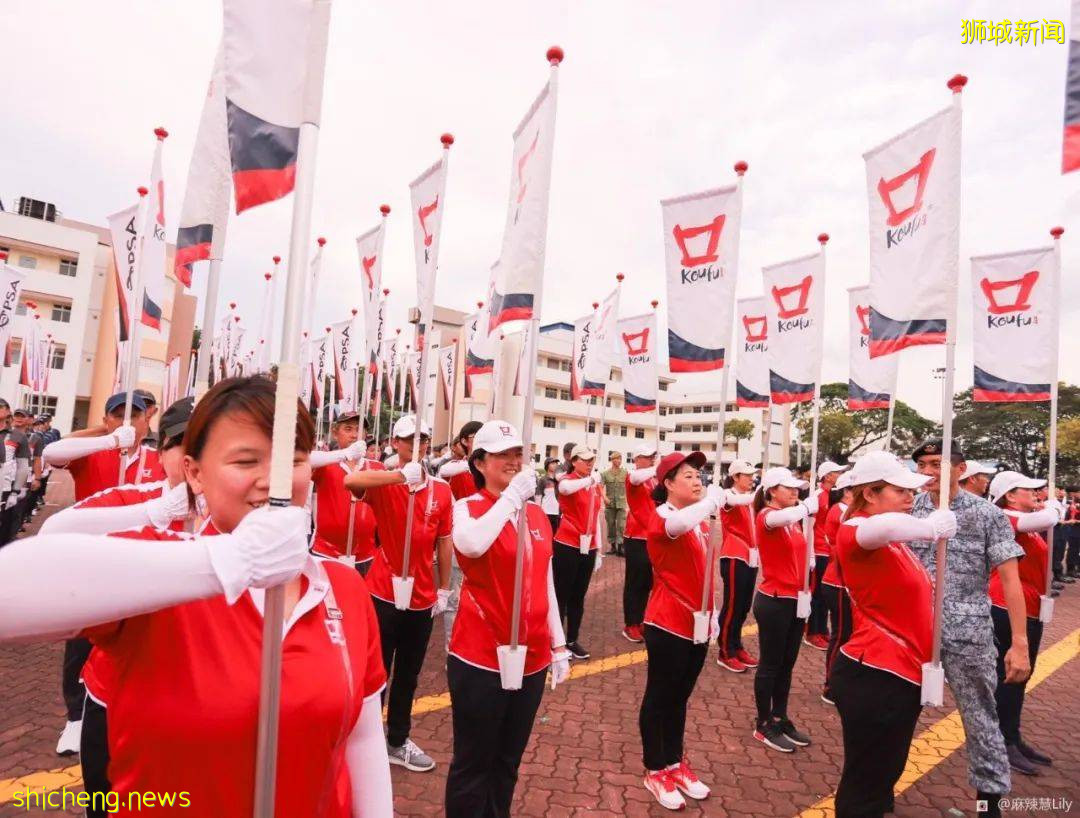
(590, 400)
(594, 511)
(703, 616)
(933, 679)
(889, 422)
(405, 581)
(135, 309)
(655, 303)
(1046, 602)
(285, 409)
(393, 379)
(451, 390)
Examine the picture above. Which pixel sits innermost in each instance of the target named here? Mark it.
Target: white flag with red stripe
(369, 247)
(170, 387)
(871, 381)
(428, 196)
(11, 281)
(913, 184)
(580, 387)
(153, 261)
(752, 373)
(603, 348)
(125, 231)
(637, 339)
(795, 307)
(522, 372)
(447, 362)
(342, 334)
(1015, 316)
(31, 349)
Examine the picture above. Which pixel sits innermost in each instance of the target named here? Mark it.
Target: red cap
(956, 83)
(3, 255)
(823, 238)
(277, 259)
(384, 209)
(555, 55)
(142, 190)
(160, 133)
(619, 277)
(654, 303)
(741, 167)
(669, 462)
(1056, 232)
(447, 139)
(321, 241)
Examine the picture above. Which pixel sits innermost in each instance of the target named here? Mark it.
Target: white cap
(884, 466)
(496, 436)
(644, 450)
(828, 467)
(975, 467)
(779, 476)
(582, 453)
(1006, 481)
(405, 426)
(843, 481)
(741, 467)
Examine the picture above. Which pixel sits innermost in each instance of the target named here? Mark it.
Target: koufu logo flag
(701, 237)
(446, 372)
(369, 247)
(428, 194)
(125, 234)
(1070, 156)
(11, 281)
(521, 270)
(794, 306)
(872, 382)
(274, 54)
(342, 333)
(1015, 313)
(153, 260)
(752, 388)
(205, 212)
(583, 336)
(603, 348)
(913, 183)
(640, 376)
(520, 384)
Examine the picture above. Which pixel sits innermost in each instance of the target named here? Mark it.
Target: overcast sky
(655, 100)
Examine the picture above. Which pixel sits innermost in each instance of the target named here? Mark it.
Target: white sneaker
(688, 783)
(68, 744)
(661, 784)
(411, 757)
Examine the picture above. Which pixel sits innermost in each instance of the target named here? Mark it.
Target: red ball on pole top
(619, 277)
(232, 305)
(555, 55)
(1056, 232)
(328, 329)
(479, 304)
(321, 241)
(447, 139)
(741, 167)
(236, 319)
(277, 259)
(386, 291)
(823, 238)
(654, 303)
(384, 209)
(355, 311)
(595, 304)
(142, 190)
(956, 83)
(398, 331)
(267, 276)
(160, 133)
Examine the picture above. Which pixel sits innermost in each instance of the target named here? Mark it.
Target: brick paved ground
(584, 757)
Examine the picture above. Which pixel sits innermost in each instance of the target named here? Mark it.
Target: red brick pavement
(584, 757)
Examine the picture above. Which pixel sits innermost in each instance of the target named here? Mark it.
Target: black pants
(1057, 553)
(572, 572)
(1010, 697)
(674, 665)
(1072, 559)
(364, 567)
(75, 653)
(94, 755)
(878, 714)
(818, 623)
(491, 729)
(553, 520)
(779, 636)
(739, 579)
(14, 520)
(405, 636)
(637, 582)
(839, 604)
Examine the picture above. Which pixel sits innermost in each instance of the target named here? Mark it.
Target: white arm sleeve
(678, 521)
(882, 529)
(88, 580)
(320, 458)
(64, 451)
(733, 499)
(569, 486)
(558, 637)
(639, 476)
(369, 767)
(1036, 520)
(473, 536)
(453, 468)
(778, 518)
(74, 520)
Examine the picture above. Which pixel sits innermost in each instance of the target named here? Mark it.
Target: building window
(20, 308)
(564, 394)
(639, 433)
(562, 424)
(59, 354)
(696, 427)
(622, 431)
(663, 435)
(695, 447)
(61, 313)
(564, 366)
(678, 447)
(592, 427)
(663, 386)
(16, 352)
(29, 262)
(551, 451)
(551, 392)
(37, 403)
(549, 422)
(607, 428)
(68, 267)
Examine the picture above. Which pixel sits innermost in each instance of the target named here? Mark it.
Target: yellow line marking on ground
(944, 737)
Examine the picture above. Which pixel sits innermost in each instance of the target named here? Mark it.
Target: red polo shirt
(1032, 569)
(832, 526)
(101, 470)
(678, 575)
(334, 502)
(432, 519)
(821, 542)
(576, 509)
(641, 508)
(487, 593)
(783, 557)
(892, 605)
(736, 523)
(183, 714)
(462, 485)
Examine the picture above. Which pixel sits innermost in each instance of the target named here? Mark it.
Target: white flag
(446, 371)
(323, 360)
(369, 247)
(640, 375)
(795, 306)
(307, 377)
(170, 388)
(125, 234)
(913, 183)
(153, 261)
(522, 373)
(11, 281)
(31, 349)
(580, 386)
(752, 374)
(479, 350)
(872, 381)
(266, 329)
(343, 370)
(603, 348)
(311, 287)
(428, 194)
(1015, 316)
(701, 240)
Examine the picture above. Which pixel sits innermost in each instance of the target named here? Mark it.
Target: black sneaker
(1067, 580)
(1032, 754)
(794, 736)
(577, 651)
(1057, 586)
(769, 734)
(1020, 762)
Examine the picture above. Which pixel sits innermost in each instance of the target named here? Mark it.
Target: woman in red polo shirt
(1015, 494)
(676, 541)
(836, 598)
(817, 625)
(492, 724)
(877, 676)
(777, 524)
(637, 582)
(738, 566)
(182, 626)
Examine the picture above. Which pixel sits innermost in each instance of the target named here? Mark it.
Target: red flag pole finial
(655, 303)
(232, 305)
(555, 55)
(386, 291)
(619, 277)
(479, 305)
(305, 333)
(385, 210)
(320, 241)
(267, 276)
(355, 311)
(956, 83)
(277, 259)
(142, 190)
(595, 304)
(160, 133)
(398, 331)
(823, 239)
(236, 318)
(328, 329)
(447, 140)
(741, 167)
(1057, 232)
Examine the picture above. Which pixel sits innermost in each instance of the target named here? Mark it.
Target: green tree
(739, 428)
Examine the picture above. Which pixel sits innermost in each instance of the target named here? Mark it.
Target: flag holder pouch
(933, 685)
(511, 665)
(585, 544)
(754, 558)
(403, 588)
(701, 627)
(347, 559)
(1046, 609)
(802, 605)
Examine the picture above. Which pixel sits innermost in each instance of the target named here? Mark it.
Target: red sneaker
(633, 633)
(731, 663)
(662, 785)
(744, 656)
(688, 783)
(821, 642)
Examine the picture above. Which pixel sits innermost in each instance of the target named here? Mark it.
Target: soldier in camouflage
(984, 541)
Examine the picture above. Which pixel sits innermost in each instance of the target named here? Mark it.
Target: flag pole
(589, 399)
(380, 373)
(655, 303)
(1046, 603)
(285, 410)
(392, 381)
(594, 512)
(889, 422)
(702, 616)
(451, 396)
(766, 437)
(933, 675)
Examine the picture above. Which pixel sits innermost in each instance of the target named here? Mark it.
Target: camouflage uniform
(615, 510)
(983, 541)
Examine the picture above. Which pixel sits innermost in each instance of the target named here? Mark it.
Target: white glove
(715, 495)
(356, 451)
(811, 505)
(414, 475)
(732, 499)
(1056, 506)
(599, 559)
(442, 602)
(523, 485)
(267, 548)
(943, 524)
(11, 500)
(124, 437)
(171, 505)
(560, 667)
(596, 478)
